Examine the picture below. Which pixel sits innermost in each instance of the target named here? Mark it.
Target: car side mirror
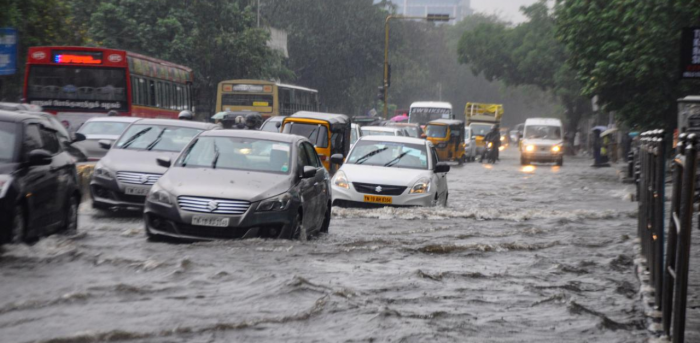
(78, 137)
(308, 172)
(442, 167)
(423, 135)
(39, 157)
(278, 125)
(337, 158)
(164, 162)
(105, 144)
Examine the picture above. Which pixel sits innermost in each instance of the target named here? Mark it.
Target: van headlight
(160, 197)
(530, 148)
(278, 203)
(341, 180)
(421, 186)
(556, 148)
(103, 172)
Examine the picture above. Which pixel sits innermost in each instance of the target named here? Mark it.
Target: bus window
(143, 91)
(134, 91)
(151, 93)
(159, 91)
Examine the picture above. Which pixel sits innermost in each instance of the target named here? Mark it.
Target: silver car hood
(142, 161)
(382, 175)
(224, 183)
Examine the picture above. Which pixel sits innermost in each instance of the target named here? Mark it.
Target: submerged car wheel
(18, 234)
(326, 220)
(71, 220)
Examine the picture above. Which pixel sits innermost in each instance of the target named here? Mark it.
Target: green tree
(626, 52)
(527, 54)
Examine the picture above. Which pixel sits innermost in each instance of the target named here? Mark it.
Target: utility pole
(258, 13)
(387, 82)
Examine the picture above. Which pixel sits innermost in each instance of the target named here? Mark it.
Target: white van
(542, 141)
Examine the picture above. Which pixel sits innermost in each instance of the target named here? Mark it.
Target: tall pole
(386, 67)
(258, 13)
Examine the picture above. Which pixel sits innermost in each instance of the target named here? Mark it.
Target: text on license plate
(378, 199)
(136, 191)
(204, 221)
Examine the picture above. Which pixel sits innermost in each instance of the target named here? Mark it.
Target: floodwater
(522, 254)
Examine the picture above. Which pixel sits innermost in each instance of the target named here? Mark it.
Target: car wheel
(326, 220)
(71, 221)
(18, 232)
(460, 161)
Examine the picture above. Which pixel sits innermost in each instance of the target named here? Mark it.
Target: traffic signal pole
(431, 18)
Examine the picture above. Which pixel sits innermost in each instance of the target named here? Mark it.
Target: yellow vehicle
(481, 118)
(447, 135)
(329, 133)
(270, 99)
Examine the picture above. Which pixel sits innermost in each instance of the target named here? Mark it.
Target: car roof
(382, 128)
(447, 122)
(15, 117)
(178, 123)
(435, 104)
(275, 118)
(119, 119)
(332, 118)
(14, 106)
(261, 135)
(397, 124)
(543, 121)
(394, 139)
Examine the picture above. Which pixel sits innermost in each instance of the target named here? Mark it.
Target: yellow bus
(268, 98)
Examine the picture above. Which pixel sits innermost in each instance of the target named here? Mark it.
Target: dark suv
(39, 192)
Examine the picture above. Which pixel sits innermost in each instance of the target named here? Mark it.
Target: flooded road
(520, 255)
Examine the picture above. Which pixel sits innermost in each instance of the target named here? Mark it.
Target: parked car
(240, 184)
(543, 141)
(390, 171)
(412, 129)
(121, 180)
(39, 190)
(383, 131)
(274, 124)
(101, 128)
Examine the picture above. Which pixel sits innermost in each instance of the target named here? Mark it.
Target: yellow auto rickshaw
(329, 133)
(447, 135)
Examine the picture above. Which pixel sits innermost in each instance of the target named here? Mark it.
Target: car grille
(138, 178)
(210, 232)
(369, 188)
(211, 205)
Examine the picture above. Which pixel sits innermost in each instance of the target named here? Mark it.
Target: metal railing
(667, 264)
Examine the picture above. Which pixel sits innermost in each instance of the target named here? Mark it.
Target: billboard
(8, 51)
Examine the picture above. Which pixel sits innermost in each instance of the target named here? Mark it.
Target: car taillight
(93, 159)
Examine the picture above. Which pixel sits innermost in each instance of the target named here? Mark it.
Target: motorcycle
(490, 154)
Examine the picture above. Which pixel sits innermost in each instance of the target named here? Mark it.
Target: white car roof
(432, 104)
(118, 119)
(394, 139)
(382, 128)
(543, 121)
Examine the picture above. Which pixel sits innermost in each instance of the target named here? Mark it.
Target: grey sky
(506, 9)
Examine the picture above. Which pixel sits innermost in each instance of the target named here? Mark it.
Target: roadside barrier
(675, 283)
(667, 264)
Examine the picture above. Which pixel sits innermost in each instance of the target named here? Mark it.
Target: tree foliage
(626, 52)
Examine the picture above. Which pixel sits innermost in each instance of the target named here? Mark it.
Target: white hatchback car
(390, 171)
(383, 131)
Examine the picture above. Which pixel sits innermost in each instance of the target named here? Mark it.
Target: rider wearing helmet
(185, 115)
(493, 137)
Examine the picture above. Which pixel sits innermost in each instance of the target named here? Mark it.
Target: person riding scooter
(494, 138)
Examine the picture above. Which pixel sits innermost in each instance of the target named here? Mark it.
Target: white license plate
(205, 221)
(136, 191)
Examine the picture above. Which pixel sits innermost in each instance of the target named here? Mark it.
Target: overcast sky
(506, 9)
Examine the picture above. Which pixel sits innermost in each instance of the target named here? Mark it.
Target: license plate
(136, 191)
(378, 199)
(204, 221)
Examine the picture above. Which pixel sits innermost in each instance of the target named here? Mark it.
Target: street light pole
(431, 18)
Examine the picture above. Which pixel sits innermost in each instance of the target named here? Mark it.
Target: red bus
(77, 83)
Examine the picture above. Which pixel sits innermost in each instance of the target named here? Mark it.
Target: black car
(240, 184)
(39, 189)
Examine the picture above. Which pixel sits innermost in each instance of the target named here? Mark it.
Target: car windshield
(238, 154)
(542, 132)
(436, 131)
(480, 129)
(156, 137)
(353, 136)
(389, 154)
(271, 126)
(369, 132)
(316, 133)
(107, 128)
(413, 131)
(8, 139)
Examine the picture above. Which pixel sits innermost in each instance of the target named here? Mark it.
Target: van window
(542, 132)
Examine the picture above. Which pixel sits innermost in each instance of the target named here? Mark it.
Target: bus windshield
(424, 115)
(77, 87)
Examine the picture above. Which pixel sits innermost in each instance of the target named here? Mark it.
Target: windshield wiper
(156, 141)
(216, 156)
(366, 157)
(133, 138)
(396, 160)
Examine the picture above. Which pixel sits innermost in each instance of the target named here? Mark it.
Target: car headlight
(104, 173)
(160, 197)
(278, 203)
(341, 180)
(556, 148)
(530, 148)
(421, 186)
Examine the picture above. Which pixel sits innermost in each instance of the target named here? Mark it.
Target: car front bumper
(174, 222)
(542, 156)
(110, 194)
(352, 198)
